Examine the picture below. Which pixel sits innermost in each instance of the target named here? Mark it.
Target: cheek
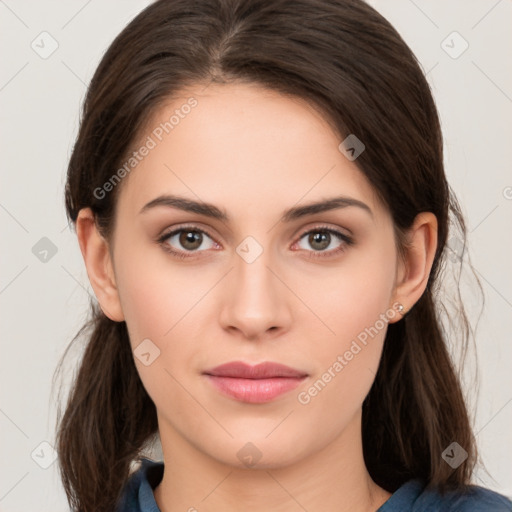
(162, 305)
(155, 295)
(346, 367)
(355, 310)
(358, 293)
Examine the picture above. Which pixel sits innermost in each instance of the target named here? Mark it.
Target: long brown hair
(350, 63)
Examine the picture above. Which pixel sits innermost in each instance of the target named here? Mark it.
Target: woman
(259, 197)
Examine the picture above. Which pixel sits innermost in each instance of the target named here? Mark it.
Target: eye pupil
(321, 238)
(190, 237)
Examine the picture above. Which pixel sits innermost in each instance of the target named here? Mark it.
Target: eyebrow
(296, 212)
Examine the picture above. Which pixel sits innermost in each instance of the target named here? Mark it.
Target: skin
(255, 153)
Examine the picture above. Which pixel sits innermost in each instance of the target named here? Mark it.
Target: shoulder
(137, 494)
(475, 499)
(415, 497)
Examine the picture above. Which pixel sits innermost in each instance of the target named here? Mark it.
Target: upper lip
(266, 370)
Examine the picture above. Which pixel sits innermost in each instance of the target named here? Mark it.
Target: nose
(255, 302)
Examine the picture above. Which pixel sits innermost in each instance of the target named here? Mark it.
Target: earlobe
(95, 251)
(418, 260)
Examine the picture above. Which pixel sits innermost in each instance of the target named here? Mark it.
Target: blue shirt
(410, 497)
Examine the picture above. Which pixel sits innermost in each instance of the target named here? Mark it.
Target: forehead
(241, 145)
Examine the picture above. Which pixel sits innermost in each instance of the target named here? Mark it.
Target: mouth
(254, 384)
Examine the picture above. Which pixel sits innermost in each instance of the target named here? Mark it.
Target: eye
(185, 240)
(322, 238)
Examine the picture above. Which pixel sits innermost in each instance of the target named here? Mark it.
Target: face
(311, 289)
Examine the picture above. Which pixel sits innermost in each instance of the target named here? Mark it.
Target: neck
(333, 479)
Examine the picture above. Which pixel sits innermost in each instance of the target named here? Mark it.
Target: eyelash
(347, 241)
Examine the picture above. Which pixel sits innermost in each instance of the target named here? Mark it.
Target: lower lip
(255, 391)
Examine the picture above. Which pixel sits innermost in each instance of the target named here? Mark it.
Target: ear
(96, 254)
(414, 270)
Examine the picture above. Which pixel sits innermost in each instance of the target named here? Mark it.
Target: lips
(267, 370)
(254, 384)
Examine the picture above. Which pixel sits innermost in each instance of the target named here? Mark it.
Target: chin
(258, 453)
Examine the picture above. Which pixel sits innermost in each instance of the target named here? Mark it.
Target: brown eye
(319, 241)
(324, 242)
(186, 240)
(191, 240)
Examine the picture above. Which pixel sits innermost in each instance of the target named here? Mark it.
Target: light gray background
(44, 303)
